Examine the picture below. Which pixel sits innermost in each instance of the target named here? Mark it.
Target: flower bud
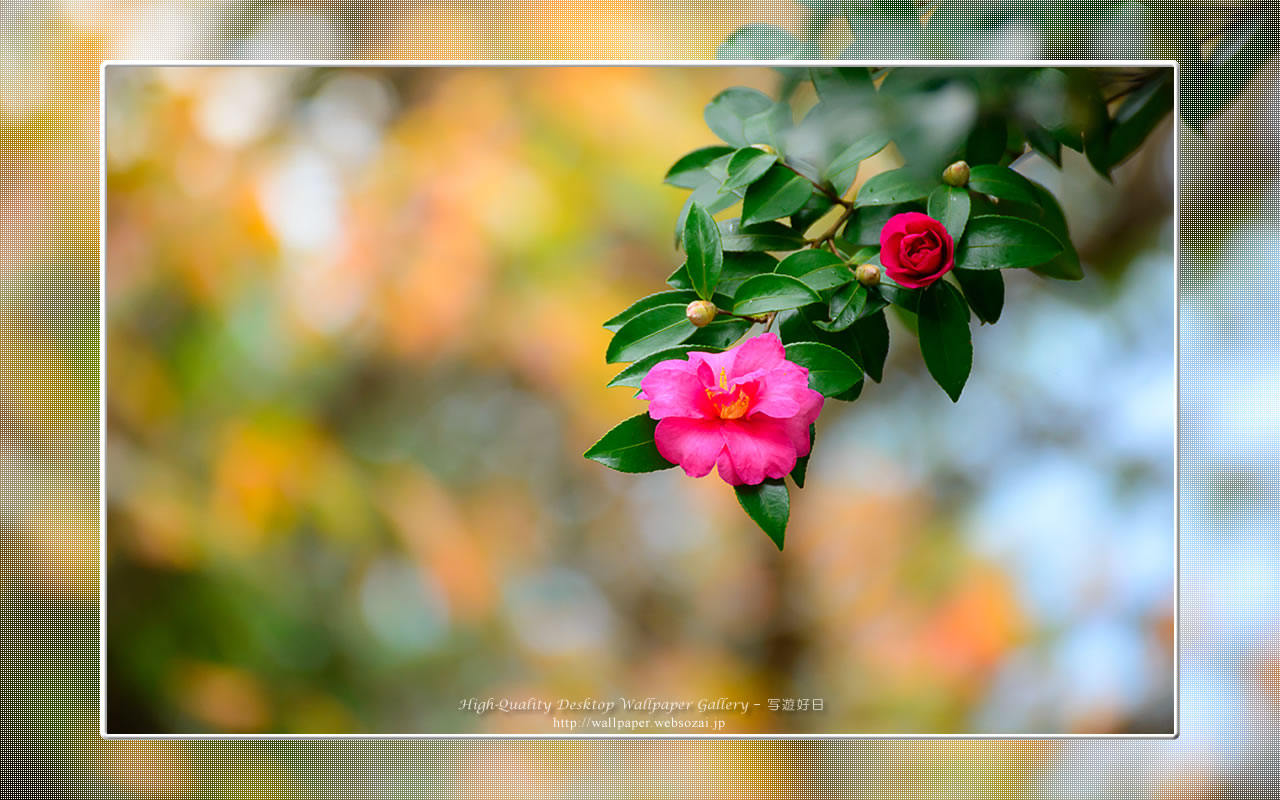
(956, 175)
(868, 274)
(766, 148)
(701, 312)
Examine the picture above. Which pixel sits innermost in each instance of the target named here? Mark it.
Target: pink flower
(915, 249)
(746, 411)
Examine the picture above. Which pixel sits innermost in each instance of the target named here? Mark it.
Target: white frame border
(384, 63)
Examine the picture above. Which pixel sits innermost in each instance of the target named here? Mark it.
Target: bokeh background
(48, 100)
(354, 355)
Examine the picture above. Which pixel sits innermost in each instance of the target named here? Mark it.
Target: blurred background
(913, 591)
(355, 354)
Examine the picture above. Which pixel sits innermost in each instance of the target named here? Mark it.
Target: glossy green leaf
(1043, 143)
(722, 332)
(747, 165)
(1139, 115)
(950, 206)
(653, 330)
(844, 167)
(772, 292)
(773, 236)
(895, 186)
(778, 193)
(710, 197)
(1001, 182)
(802, 463)
(845, 307)
(830, 371)
(645, 303)
(769, 127)
(737, 267)
(864, 227)
(1246, 46)
(633, 374)
(818, 269)
(999, 242)
(900, 296)
(872, 335)
(984, 291)
(841, 84)
(728, 111)
(690, 171)
(759, 42)
(943, 326)
(814, 209)
(629, 447)
(703, 256)
(769, 505)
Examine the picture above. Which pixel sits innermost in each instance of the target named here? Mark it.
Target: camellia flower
(915, 249)
(746, 411)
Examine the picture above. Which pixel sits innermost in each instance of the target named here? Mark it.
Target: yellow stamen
(724, 380)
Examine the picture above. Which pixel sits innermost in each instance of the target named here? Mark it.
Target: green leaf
(737, 268)
(872, 334)
(864, 227)
(888, 188)
(986, 140)
(651, 331)
(984, 290)
(1043, 142)
(736, 237)
(778, 193)
(841, 84)
(769, 126)
(950, 206)
(830, 371)
(802, 463)
(856, 255)
(769, 505)
(691, 170)
(846, 306)
(709, 197)
(747, 165)
(899, 296)
(1138, 116)
(772, 292)
(1066, 265)
(728, 111)
(944, 337)
(1247, 45)
(629, 447)
(818, 269)
(996, 242)
(844, 167)
(703, 256)
(632, 375)
(1002, 182)
(645, 303)
(722, 332)
(815, 208)
(759, 42)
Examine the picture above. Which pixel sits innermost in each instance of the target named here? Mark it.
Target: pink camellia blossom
(746, 411)
(915, 249)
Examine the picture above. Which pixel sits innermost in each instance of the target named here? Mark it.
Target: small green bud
(868, 274)
(701, 313)
(956, 175)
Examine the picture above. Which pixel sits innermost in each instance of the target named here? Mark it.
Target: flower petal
(710, 365)
(755, 356)
(797, 426)
(694, 444)
(673, 390)
(781, 391)
(758, 448)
